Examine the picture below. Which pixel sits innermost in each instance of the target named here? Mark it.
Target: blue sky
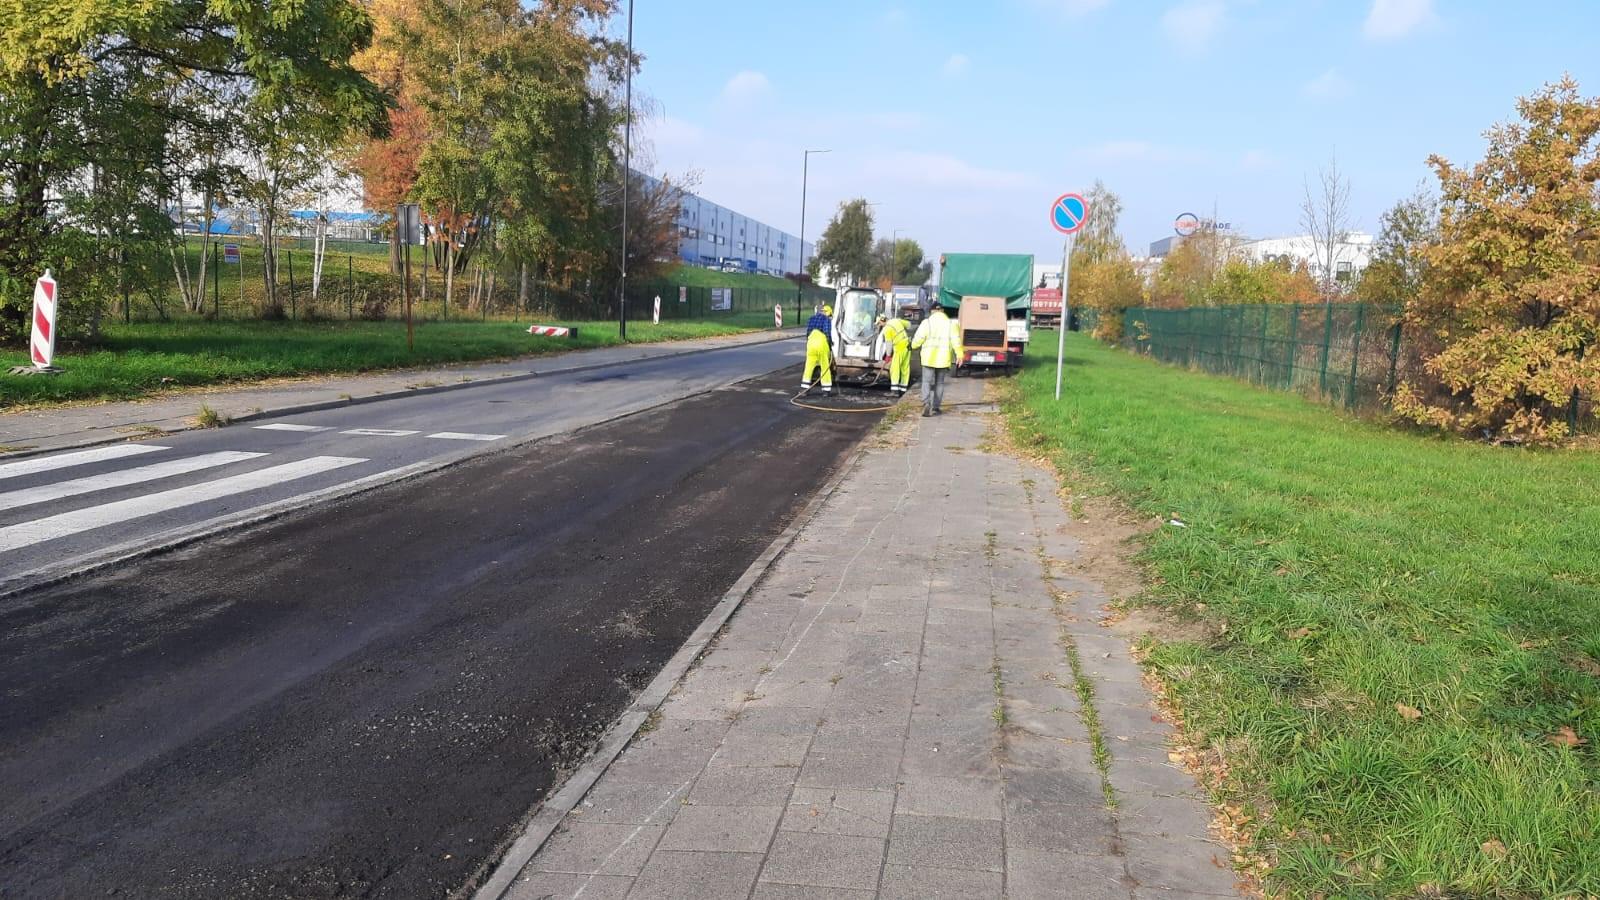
(963, 120)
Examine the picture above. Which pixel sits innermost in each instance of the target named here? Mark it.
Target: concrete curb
(321, 405)
(56, 573)
(549, 813)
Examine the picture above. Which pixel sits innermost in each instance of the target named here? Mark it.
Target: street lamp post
(627, 176)
(799, 285)
(894, 254)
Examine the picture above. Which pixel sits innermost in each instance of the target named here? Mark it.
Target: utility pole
(627, 176)
(799, 285)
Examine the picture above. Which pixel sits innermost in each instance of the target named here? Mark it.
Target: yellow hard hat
(827, 310)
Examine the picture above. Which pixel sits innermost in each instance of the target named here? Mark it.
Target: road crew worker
(819, 349)
(897, 336)
(939, 339)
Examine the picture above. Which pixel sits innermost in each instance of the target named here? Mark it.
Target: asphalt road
(61, 509)
(363, 699)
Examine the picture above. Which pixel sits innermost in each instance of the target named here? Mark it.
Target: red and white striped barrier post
(43, 344)
(777, 315)
(552, 331)
(655, 314)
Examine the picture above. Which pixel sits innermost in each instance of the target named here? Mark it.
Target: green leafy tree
(92, 99)
(1399, 264)
(846, 245)
(1511, 293)
(520, 125)
(899, 262)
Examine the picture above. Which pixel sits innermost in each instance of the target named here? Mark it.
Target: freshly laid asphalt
(364, 699)
(333, 448)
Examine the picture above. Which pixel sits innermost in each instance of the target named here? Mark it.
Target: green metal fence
(1346, 353)
(359, 286)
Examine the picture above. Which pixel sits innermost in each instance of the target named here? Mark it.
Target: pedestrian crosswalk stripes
(76, 458)
(290, 426)
(380, 432)
(37, 531)
(121, 478)
(464, 436)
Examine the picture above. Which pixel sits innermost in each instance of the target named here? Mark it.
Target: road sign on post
(1068, 212)
(42, 346)
(230, 254)
(1067, 215)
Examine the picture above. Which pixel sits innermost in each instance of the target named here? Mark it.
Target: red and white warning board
(777, 315)
(552, 331)
(655, 312)
(43, 345)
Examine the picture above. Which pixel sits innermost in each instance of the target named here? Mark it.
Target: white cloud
(670, 132)
(1070, 7)
(1256, 160)
(956, 64)
(1135, 151)
(1330, 85)
(942, 171)
(1390, 19)
(1193, 25)
(745, 87)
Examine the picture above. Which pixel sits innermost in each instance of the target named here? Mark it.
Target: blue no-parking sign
(1068, 212)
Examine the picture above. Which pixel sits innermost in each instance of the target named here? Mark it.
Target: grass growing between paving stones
(1404, 683)
(142, 358)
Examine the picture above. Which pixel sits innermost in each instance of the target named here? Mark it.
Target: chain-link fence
(1353, 354)
(1347, 353)
(359, 285)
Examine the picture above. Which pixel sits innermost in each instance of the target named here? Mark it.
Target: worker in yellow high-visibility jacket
(897, 339)
(819, 350)
(939, 339)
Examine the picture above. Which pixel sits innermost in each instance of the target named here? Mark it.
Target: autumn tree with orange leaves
(1511, 297)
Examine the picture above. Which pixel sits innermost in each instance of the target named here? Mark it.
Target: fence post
(1355, 355)
(1394, 357)
(1261, 360)
(1327, 338)
(291, 283)
(349, 287)
(1294, 343)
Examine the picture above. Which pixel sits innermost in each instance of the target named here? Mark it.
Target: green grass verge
(1405, 625)
(138, 359)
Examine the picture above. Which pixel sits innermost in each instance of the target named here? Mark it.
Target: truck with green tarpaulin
(991, 294)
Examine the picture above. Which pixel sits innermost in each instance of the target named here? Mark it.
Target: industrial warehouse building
(712, 235)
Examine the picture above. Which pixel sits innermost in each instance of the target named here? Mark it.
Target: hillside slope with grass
(137, 359)
(1403, 686)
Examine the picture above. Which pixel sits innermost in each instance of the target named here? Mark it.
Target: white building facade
(1351, 256)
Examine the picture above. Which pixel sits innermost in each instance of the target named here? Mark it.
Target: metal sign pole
(1066, 311)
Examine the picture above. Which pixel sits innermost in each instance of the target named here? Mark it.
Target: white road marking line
(380, 432)
(81, 457)
(465, 436)
(121, 478)
(66, 524)
(290, 426)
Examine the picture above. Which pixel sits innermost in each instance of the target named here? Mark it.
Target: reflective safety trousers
(897, 334)
(818, 353)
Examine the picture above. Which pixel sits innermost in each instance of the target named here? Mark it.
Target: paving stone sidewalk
(892, 714)
(77, 426)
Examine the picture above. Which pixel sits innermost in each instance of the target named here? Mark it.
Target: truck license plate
(983, 357)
